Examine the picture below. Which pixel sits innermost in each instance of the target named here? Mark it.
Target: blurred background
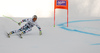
(45, 8)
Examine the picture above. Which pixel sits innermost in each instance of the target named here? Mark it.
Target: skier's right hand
(40, 32)
(19, 23)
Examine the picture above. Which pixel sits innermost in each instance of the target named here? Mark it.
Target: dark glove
(19, 23)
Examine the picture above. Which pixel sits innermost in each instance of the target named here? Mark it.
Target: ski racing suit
(27, 27)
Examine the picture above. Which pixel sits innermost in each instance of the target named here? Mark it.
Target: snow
(53, 39)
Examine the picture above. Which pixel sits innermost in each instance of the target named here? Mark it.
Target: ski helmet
(34, 16)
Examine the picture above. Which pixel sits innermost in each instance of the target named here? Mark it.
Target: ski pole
(10, 18)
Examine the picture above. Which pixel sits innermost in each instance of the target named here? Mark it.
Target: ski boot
(8, 35)
(20, 35)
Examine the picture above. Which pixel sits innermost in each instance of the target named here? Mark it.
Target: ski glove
(19, 23)
(40, 32)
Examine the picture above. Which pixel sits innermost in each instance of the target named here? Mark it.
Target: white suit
(28, 26)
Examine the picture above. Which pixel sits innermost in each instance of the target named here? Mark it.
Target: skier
(27, 27)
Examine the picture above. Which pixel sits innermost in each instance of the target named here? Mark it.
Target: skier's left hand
(40, 32)
(19, 23)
